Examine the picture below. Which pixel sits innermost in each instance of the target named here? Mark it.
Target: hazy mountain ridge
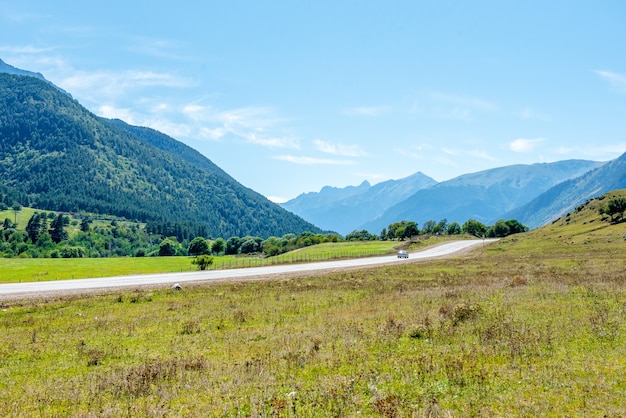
(58, 156)
(567, 195)
(342, 209)
(485, 196)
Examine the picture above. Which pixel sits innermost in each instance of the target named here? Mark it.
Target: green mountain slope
(59, 156)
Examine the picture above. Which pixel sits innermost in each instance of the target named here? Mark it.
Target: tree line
(58, 235)
(408, 229)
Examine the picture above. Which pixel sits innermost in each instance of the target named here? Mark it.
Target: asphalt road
(154, 280)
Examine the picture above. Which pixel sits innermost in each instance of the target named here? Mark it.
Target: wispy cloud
(596, 152)
(106, 86)
(524, 144)
(417, 152)
(160, 48)
(616, 80)
(339, 149)
(483, 155)
(302, 160)
(366, 110)
(256, 125)
(24, 49)
(527, 113)
(450, 151)
(450, 106)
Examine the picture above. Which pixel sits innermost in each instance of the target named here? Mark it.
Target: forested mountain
(56, 155)
(9, 69)
(564, 197)
(485, 196)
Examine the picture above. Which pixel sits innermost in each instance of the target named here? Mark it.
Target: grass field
(534, 325)
(43, 269)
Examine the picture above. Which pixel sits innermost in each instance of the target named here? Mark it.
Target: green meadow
(532, 325)
(43, 269)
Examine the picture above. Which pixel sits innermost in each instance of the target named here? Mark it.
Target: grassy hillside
(534, 325)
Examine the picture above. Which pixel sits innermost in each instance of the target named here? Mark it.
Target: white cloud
(524, 144)
(339, 149)
(618, 81)
(300, 160)
(366, 111)
(278, 199)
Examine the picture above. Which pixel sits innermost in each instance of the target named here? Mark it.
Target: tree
(454, 228)
(516, 227)
(8, 224)
(615, 208)
(84, 225)
(272, 247)
(499, 229)
(57, 231)
(250, 246)
(362, 235)
(429, 227)
(397, 230)
(203, 261)
(410, 229)
(440, 228)
(198, 246)
(473, 227)
(37, 225)
(167, 247)
(218, 246)
(232, 245)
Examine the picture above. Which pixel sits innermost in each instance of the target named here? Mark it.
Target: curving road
(82, 285)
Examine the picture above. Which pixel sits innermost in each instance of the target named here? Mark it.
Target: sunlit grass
(486, 334)
(43, 269)
(528, 326)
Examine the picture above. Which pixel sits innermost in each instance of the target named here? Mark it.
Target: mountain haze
(565, 196)
(344, 209)
(484, 196)
(59, 156)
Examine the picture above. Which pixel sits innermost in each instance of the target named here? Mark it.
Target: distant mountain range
(559, 200)
(500, 193)
(343, 210)
(56, 155)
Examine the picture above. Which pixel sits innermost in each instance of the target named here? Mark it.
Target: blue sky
(290, 96)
